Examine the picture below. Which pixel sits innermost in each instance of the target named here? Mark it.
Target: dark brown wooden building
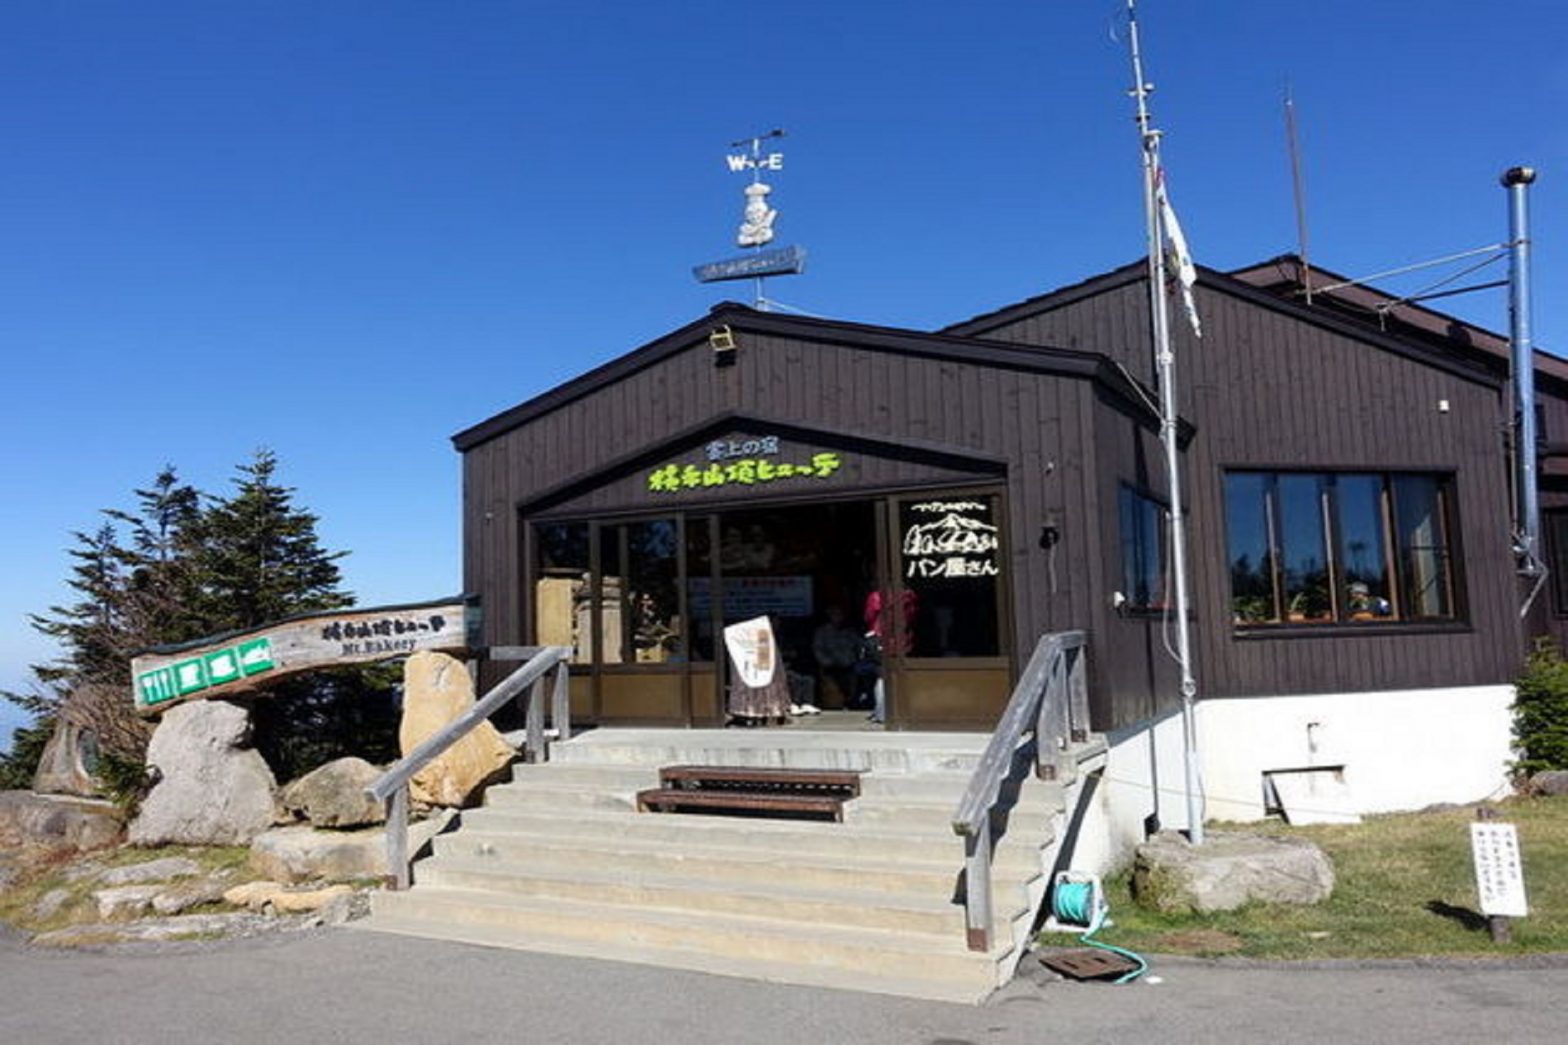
(1347, 473)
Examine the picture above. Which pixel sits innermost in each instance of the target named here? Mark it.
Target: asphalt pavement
(346, 986)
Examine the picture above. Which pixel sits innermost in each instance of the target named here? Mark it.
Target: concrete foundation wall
(1398, 750)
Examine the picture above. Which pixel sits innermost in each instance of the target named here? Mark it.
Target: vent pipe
(1517, 181)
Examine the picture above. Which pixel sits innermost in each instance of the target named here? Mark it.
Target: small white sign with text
(1499, 871)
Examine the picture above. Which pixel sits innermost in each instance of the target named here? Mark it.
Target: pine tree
(255, 557)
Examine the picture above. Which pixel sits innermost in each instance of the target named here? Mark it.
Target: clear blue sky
(347, 230)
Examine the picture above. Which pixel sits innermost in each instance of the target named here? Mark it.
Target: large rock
(1550, 782)
(1230, 869)
(212, 790)
(57, 823)
(333, 795)
(301, 853)
(436, 690)
(68, 762)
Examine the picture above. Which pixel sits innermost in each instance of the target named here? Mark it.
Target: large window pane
(1250, 549)
(1303, 548)
(1143, 558)
(657, 632)
(1363, 555)
(561, 587)
(1423, 546)
(1348, 548)
(951, 556)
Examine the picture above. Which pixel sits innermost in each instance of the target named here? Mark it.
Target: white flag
(1176, 245)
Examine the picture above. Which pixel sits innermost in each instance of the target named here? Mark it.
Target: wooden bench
(843, 783)
(752, 789)
(675, 799)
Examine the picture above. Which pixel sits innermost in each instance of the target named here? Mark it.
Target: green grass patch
(1404, 888)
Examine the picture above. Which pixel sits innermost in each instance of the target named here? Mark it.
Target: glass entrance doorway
(644, 602)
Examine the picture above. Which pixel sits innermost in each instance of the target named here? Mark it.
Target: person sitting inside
(1364, 605)
(836, 646)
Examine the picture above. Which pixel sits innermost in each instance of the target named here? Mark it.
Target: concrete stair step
(630, 856)
(866, 907)
(896, 752)
(732, 936)
(867, 980)
(539, 792)
(932, 786)
(506, 831)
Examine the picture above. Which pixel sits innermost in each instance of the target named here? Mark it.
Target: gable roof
(743, 319)
(1286, 276)
(1407, 329)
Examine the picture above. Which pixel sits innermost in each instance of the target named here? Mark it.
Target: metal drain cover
(1087, 964)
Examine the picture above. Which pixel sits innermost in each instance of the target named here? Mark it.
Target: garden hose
(1081, 903)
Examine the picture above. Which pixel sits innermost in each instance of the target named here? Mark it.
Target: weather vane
(756, 227)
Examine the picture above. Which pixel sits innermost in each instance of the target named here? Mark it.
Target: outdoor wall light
(722, 340)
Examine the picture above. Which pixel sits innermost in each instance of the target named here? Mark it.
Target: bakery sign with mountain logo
(950, 539)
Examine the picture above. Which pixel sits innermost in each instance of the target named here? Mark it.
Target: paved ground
(342, 986)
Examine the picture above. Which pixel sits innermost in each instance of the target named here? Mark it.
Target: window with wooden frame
(1312, 548)
(1143, 521)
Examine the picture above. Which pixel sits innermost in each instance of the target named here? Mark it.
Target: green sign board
(255, 656)
(204, 671)
(155, 687)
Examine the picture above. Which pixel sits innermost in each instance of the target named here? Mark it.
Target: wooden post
(977, 887)
(535, 719)
(561, 705)
(397, 839)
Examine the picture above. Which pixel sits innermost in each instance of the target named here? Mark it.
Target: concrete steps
(559, 861)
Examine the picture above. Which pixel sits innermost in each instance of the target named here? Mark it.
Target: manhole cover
(1087, 964)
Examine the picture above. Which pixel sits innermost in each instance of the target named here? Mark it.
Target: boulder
(1173, 876)
(436, 690)
(333, 795)
(56, 823)
(68, 762)
(212, 790)
(1550, 782)
(301, 853)
(151, 871)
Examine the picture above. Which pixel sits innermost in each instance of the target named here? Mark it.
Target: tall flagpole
(1165, 361)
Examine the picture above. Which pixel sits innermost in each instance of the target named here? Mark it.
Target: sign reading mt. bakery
(751, 461)
(250, 660)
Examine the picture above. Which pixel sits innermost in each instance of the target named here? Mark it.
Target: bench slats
(665, 799)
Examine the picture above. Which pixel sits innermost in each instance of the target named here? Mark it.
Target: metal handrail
(1051, 702)
(526, 684)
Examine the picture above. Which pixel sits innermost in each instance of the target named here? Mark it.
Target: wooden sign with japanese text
(250, 661)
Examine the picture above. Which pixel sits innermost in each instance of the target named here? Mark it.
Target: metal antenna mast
(1165, 361)
(1298, 189)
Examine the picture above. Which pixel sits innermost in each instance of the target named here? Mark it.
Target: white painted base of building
(1376, 752)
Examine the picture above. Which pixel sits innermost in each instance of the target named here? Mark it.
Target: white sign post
(1499, 875)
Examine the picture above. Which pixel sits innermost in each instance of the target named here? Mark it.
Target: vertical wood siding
(1266, 389)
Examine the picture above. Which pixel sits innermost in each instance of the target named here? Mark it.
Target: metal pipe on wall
(1517, 181)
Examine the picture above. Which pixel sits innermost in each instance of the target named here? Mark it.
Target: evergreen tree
(159, 597)
(255, 557)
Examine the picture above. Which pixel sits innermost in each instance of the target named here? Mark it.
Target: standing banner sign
(752, 649)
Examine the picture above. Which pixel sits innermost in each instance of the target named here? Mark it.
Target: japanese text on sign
(745, 471)
(1499, 873)
(955, 545)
